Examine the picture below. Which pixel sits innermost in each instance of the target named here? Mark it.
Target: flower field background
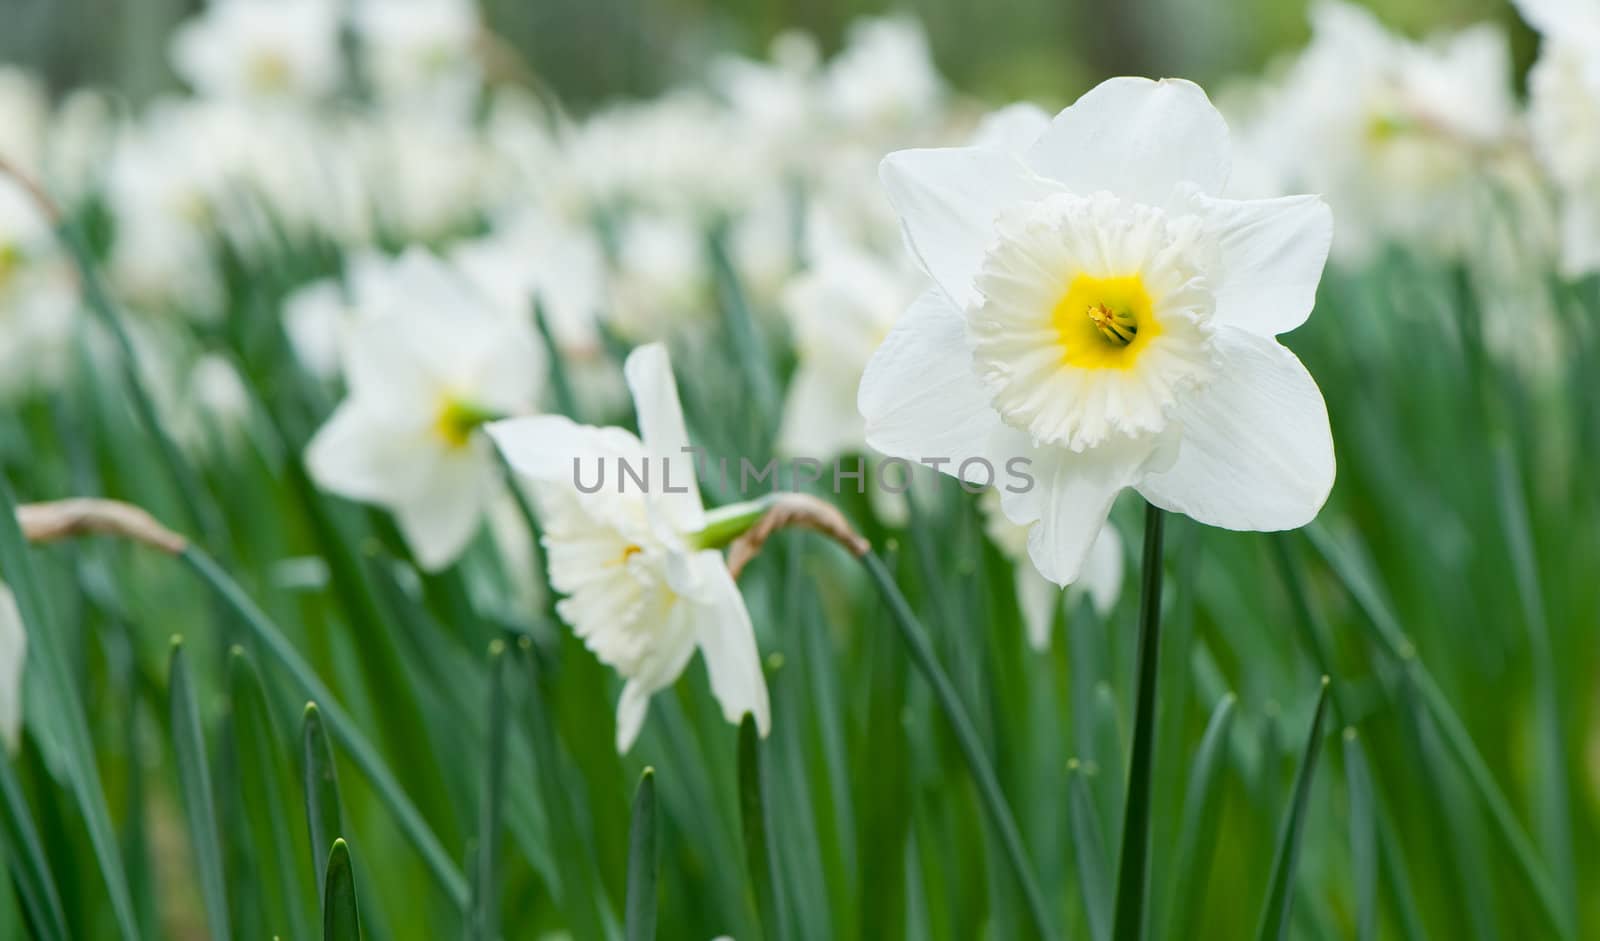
(224, 267)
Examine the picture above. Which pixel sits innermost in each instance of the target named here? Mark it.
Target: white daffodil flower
(643, 587)
(422, 52)
(250, 50)
(1564, 119)
(1399, 136)
(13, 652)
(1103, 314)
(839, 309)
(423, 376)
(1037, 597)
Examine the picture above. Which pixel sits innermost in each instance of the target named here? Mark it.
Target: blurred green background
(593, 49)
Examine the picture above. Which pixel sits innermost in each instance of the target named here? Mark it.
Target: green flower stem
(1134, 866)
(989, 793)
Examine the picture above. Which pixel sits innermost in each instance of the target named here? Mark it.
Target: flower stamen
(1118, 326)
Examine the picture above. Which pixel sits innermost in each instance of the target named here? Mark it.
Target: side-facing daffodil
(424, 374)
(645, 586)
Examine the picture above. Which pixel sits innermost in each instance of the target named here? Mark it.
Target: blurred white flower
(839, 310)
(683, 152)
(26, 105)
(1101, 314)
(884, 80)
(424, 373)
(1037, 597)
(1564, 118)
(777, 102)
(1395, 134)
(424, 176)
(663, 282)
(319, 316)
(763, 246)
(315, 317)
(640, 591)
(260, 50)
(422, 53)
(534, 254)
(13, 654)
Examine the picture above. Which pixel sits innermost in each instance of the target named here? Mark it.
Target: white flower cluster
(1096, 291)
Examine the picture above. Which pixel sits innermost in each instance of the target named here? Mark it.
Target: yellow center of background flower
(1104, 323)
(456, 420)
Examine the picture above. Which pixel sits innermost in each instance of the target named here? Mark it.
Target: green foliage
(1447, 590)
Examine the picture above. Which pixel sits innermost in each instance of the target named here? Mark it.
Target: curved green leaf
(21, 848)
(341, 918)
(1280, 891)
(324, 819)
(643, 862)
(1191, 863)
(199, 800)
(760, 856)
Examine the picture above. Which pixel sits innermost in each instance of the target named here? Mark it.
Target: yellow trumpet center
(1104, 323)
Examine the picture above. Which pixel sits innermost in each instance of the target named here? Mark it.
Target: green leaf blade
(199, 798)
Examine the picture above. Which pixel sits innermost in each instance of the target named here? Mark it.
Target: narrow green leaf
(580, 892)
(1553, 803)
(1355, 575)
(202, 513)
(1280, 891)
(1399, 881)
(990, 795)
(1109, 757)
(341, 919)
(745, 333)
(490, 809)
(1089, 852)
(1133, 864)
(560, 384)
(761, 859)
(1363, 837)
(324, 818)
(266, 790)
(643, 862)
(23, 851)
(61, 719)
(1202, 798)
(199, 801)
(366, 757)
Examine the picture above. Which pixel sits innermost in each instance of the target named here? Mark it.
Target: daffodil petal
(1270, 257)
(728, 643)
(947, 200)
(1013, 129)
(1136, 138)
(440, 523)
(1038, 599)
(1256, 451)
(632, 708)
(556, 449)
(385, 366)
(666, 438)
(1070, 499)
(919, 395)
(363, 456)
(819, 415)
